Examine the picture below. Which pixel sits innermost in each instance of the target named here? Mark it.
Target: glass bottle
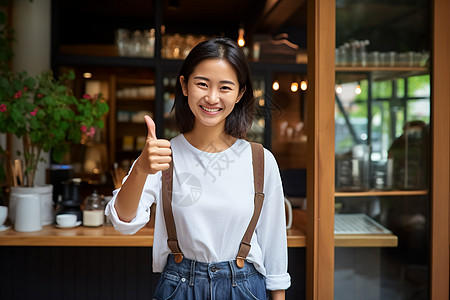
(93, 211)
(122, 41)
(148, 45)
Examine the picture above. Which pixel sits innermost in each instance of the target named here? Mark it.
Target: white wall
(31, 23)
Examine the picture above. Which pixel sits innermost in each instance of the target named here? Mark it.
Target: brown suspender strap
(167, 185)
(258, 179)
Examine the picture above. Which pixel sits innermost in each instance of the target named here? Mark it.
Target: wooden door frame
(320, 149)
(440, 116)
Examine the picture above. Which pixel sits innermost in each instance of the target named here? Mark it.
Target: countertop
(106, 236)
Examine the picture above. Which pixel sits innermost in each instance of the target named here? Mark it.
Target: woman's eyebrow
(227, 81)
(207, 79)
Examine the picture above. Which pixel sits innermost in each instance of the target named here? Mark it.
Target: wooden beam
(440, 106)
(320, 150)
(276, 13)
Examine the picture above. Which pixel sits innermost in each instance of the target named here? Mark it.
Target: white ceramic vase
(45, 194)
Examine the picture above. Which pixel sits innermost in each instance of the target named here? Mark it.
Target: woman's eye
(202, 84)
(226, 88)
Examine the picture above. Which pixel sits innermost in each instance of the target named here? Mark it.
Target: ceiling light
(275, 85)
(241, 41)
(303, 85)
(294, 86)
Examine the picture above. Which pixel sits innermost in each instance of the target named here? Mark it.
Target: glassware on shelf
(352, 169)
(178, 46)
(134, 47)
(148, 43)
(355, 54)
(381, 178)
(122, 41)
(139, 43)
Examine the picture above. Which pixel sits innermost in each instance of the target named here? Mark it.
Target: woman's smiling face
(212, 91)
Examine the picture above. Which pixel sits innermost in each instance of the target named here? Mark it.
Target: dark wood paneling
(74, 273)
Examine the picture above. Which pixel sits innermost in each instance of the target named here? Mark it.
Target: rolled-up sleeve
(149, 196)
(271, 229)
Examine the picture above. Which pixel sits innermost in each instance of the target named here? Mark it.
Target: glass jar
(93, 211)
(122, 41)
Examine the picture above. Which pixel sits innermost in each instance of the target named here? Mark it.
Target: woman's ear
(241, 93)
(183, 85)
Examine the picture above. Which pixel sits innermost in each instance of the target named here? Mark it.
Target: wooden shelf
(381, 69)
(352, 74)
(167, 65)
(365, 240)
(372, 193)
(135, 81)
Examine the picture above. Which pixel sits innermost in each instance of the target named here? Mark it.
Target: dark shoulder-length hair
(239, 121)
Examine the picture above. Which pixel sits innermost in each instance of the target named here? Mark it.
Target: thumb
(150, 127)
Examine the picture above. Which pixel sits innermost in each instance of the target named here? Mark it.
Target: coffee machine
(70, 201)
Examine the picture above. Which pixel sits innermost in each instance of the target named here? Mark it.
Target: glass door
(382, 150)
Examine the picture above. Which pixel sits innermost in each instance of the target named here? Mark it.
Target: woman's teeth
(210, 109)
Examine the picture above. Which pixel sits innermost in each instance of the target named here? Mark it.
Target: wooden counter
(106, 236)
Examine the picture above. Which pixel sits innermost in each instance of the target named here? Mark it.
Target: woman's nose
(213, 97)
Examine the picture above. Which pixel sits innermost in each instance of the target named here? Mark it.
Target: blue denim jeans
(190, 280)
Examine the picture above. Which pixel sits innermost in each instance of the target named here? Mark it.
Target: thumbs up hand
(155, 155)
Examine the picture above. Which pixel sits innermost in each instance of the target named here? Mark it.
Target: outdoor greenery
(418, 95)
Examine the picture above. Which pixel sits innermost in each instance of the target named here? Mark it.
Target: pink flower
(33, 113)
(2, 107)
(18, 95)
(40, 95)
(25, 88)
(87, 96)
(83, 128)
(91, 132)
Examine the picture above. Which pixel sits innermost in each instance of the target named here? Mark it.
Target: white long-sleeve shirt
(213, 202)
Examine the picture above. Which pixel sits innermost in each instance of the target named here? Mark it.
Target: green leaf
(35, 136)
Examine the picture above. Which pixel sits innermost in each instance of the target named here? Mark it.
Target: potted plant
(45, 115)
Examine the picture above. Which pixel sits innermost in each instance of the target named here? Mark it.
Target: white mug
(66, 220)
(28, 213)
(288, 207)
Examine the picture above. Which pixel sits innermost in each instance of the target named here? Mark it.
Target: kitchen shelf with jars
(133, 99)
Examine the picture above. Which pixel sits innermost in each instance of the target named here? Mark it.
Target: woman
(213, 191)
